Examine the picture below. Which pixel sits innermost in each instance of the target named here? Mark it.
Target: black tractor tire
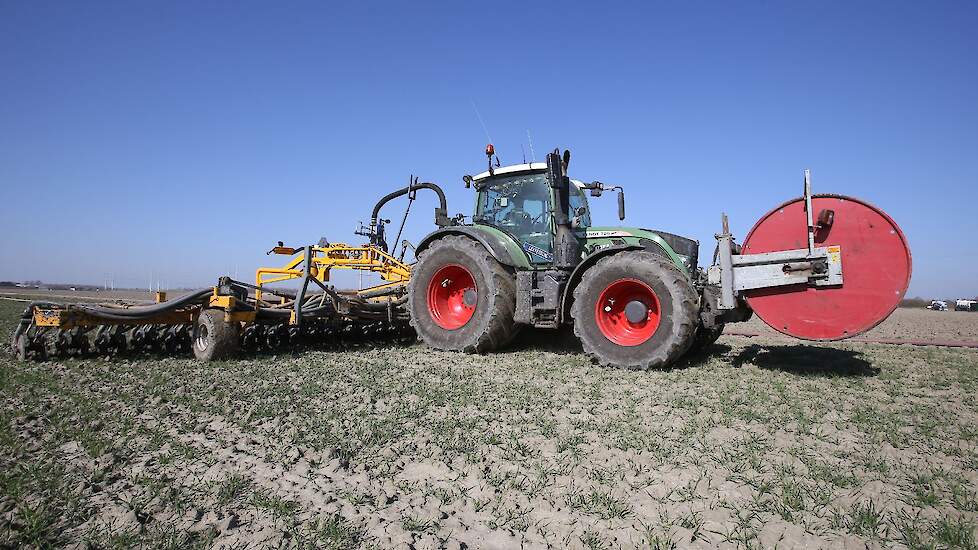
(491, 324)
(213, 337)
(705, 337)
(677, 310)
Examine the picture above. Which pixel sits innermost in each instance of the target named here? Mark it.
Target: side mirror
(468, 180)
(621, 204)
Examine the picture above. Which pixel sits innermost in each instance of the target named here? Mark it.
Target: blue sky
(179, 140)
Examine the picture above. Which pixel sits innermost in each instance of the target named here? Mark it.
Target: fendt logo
(537, 251)
(608, 233)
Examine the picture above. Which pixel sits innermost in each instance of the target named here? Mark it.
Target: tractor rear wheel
(635, 310)
(213, 337)
(460, 298)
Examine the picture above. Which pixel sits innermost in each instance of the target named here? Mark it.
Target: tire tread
(500, 329)
(685, 308)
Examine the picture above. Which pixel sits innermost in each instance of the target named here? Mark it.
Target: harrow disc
(21, 347)
(876, 267)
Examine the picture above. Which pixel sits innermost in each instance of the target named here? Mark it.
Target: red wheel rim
(446, 297)
(609, 312)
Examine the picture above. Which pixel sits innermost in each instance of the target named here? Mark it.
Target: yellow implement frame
(323, 259)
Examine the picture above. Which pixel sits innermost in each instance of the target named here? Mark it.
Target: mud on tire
(214, 338)
(643, 348)
(491, 323)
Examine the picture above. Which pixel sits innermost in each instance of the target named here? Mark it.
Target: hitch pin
(789, 268)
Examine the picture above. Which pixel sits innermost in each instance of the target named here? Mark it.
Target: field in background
(69, 296)
(760, 442)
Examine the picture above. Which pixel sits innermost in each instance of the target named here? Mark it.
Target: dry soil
(756, 443)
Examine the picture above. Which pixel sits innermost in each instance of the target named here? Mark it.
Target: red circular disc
(876, 269)
(446, 296)
(609, 312)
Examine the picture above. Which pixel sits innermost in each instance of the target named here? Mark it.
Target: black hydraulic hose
(379, 306)
(380, 293)
(101, 314)
(442, 202)
(146, 311)
(112, 313)
(265, 312)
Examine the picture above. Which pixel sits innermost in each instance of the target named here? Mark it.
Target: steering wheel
(517, 218)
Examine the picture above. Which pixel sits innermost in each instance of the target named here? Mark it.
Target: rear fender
(656, 246)
(502, 247)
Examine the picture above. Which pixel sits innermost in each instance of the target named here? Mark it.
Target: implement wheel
(635, 310)
(20, 347)
(460, 298)
(213, 337)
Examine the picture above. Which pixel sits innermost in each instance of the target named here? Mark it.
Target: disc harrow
(52, 330)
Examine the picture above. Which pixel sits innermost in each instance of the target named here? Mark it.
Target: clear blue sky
(181, 139)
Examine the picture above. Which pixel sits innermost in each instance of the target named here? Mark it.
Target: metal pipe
(808, 212)
(567, 251)
(305, 286)
(724, 247)
(441, 213)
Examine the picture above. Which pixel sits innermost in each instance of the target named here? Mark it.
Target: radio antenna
(530, 140)
(482, 122)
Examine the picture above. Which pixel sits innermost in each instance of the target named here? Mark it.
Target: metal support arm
(733, 272)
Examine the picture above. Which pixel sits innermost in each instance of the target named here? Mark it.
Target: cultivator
(270, 318)
(233, 315)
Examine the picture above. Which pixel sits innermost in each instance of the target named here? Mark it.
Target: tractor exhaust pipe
(567, 251)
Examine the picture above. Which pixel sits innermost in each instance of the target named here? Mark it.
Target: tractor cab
(519, 199)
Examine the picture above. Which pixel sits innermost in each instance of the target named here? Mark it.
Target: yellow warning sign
(835, 254)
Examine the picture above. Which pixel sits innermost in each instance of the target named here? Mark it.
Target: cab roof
(517, 168)
(512, 169)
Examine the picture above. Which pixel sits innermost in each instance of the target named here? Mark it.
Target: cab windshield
(520, 205)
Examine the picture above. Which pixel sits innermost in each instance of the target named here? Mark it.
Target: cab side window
(577, 200)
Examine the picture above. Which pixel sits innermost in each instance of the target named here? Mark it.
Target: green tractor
(636, 298)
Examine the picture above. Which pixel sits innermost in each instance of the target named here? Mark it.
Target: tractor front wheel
(635, 310)
(460, 298)
(213, 337)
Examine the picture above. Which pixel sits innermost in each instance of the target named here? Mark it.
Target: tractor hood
(682, 251)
